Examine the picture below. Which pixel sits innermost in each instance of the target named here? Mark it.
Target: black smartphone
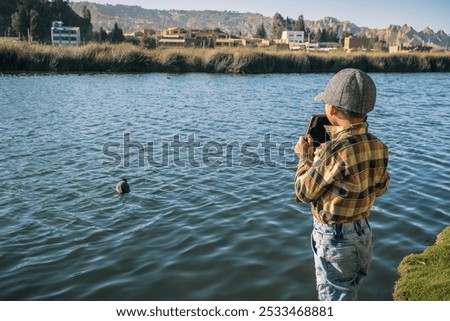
(317, 130)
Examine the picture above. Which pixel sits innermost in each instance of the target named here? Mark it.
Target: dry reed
(129, 58)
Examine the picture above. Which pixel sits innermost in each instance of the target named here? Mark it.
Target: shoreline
(424, 276)
(24, 57)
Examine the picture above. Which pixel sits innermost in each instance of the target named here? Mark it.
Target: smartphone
(317, 130)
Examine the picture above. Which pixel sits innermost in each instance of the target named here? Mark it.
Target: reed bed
(129, 58)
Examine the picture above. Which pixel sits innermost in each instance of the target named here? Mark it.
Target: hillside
(131, 18)
(393, 34)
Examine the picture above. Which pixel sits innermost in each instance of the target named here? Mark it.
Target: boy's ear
(332, 110)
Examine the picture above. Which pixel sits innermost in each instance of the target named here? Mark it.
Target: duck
(122, 187)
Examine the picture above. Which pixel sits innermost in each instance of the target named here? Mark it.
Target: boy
(342, 178)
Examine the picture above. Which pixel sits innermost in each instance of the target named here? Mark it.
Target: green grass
(96, 57)
(426, 276)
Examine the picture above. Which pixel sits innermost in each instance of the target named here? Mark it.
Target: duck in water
(122, 187)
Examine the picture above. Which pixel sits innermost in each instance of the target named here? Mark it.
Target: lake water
(211, 214)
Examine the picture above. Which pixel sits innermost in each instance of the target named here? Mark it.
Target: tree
(100, 36)
(86, 25)
(7, 8)
(19, 22)
(278, 25)
(87, 14)
(61, 5)
(34, 23)
(320, 36)
(332, 35)
(148, 42)
(34, 18)
(299, 24)
(326, 36)
(289, 23)
(261, 32)
(116, 35)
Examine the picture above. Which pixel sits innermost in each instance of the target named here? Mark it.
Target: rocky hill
(132, 18)
(393, 34)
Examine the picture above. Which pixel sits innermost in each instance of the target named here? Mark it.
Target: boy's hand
(305, 146)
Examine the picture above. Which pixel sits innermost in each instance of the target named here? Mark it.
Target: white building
(68, 36)
(293, 36)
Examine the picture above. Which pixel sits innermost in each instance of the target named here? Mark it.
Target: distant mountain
(132, 18)
(393, 34)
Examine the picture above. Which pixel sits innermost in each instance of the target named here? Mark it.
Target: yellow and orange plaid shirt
(346, 175)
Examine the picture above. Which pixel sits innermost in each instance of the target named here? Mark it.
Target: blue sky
(374, 14)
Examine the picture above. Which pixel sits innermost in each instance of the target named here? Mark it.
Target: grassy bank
(129, 58)
(426, 276)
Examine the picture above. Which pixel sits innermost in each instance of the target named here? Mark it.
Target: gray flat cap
(350, 89)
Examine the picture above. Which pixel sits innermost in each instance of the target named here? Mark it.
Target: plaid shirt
(346, 175)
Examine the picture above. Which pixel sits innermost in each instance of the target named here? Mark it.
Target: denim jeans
(342, 256)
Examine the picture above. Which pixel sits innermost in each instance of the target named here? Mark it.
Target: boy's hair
(351, 114)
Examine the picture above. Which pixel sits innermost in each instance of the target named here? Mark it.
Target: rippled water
(225, 225)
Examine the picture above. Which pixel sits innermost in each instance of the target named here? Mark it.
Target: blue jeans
(342, 256)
